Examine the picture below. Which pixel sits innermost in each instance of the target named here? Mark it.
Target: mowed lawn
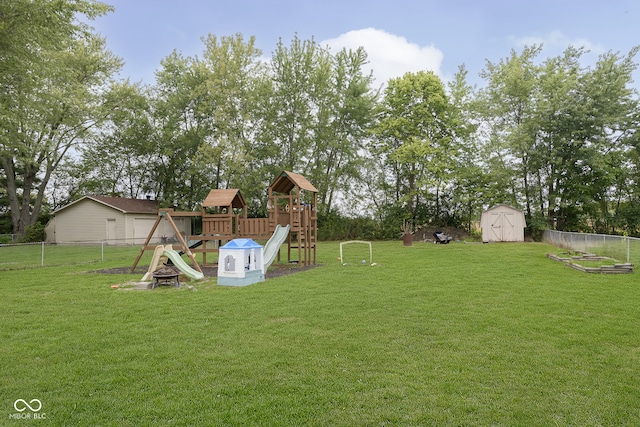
(459, 334)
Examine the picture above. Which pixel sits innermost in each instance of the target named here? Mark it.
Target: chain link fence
(30, 255)
(11, 238)
(620, 248)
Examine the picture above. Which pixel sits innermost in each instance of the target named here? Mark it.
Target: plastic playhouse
(241, 263)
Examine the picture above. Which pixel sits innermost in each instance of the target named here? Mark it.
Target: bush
(34, 233)
(537, 226)
(334, 226)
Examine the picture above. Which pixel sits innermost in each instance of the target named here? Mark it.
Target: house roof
(121, 204)
(286, 181)
(228, 197)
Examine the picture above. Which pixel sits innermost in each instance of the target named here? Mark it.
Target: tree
(611, 111)
(467, 181)
(117, 161)
(562, 129)
(182, 121)
(299, 77)
(509, 105)
(204, 116)
(317, 108)
(414, 135)
(51, 71)
(344, 116)
(230, 153)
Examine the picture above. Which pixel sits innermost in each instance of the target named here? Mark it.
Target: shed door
(111, 229)
(502, 226)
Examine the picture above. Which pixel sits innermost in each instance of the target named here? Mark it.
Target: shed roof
(502, 205)
(121, 204)
(286, 181)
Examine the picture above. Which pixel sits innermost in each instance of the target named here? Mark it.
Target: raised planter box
(573, 262)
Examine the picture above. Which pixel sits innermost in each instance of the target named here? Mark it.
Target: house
(502, 223)
(115, 220)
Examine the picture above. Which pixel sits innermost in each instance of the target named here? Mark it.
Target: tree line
(552, 136)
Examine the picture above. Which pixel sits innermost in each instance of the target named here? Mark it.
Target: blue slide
(272, 246)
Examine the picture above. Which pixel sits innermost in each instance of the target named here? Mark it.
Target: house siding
(87, 221)
(91, 220)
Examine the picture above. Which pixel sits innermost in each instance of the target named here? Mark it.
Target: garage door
(141, 229)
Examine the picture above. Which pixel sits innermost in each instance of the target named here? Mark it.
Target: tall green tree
(344, 116)
(414, 135)
(466, 182)
(52, 70)
(181, 111)
(229, 155)
(204, 111)
(611, 111)
(317, 108)
(298, 82)
(562, 129)
(509, 107)
(117, 161)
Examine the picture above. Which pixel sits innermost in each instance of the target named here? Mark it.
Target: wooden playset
(291, 201)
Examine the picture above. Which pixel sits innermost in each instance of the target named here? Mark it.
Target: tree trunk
(12, 194)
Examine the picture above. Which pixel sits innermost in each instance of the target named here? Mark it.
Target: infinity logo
(21, 405)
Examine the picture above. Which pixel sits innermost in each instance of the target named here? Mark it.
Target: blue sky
(399, 36)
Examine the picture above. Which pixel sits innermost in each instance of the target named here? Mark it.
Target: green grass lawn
(459, 334)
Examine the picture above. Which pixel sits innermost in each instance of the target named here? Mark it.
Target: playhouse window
(229, 263)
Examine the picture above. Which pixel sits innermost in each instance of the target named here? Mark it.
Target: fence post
(42, 256)
(103, 251)
(628, 249)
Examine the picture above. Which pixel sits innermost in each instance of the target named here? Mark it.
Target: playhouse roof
(286, 181)
(231, 197)
(241, 244)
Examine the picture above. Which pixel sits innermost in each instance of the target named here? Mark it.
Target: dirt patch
(276, 270)
(426, 233)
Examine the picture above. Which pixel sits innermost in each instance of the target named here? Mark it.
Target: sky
(399, 36)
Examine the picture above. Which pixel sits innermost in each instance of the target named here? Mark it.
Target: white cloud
(389, 56)
(557, 40)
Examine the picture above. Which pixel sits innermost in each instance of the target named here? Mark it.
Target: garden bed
(590, 263)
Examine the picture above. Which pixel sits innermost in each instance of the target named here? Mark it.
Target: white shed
(502, 223)
(115, 220)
